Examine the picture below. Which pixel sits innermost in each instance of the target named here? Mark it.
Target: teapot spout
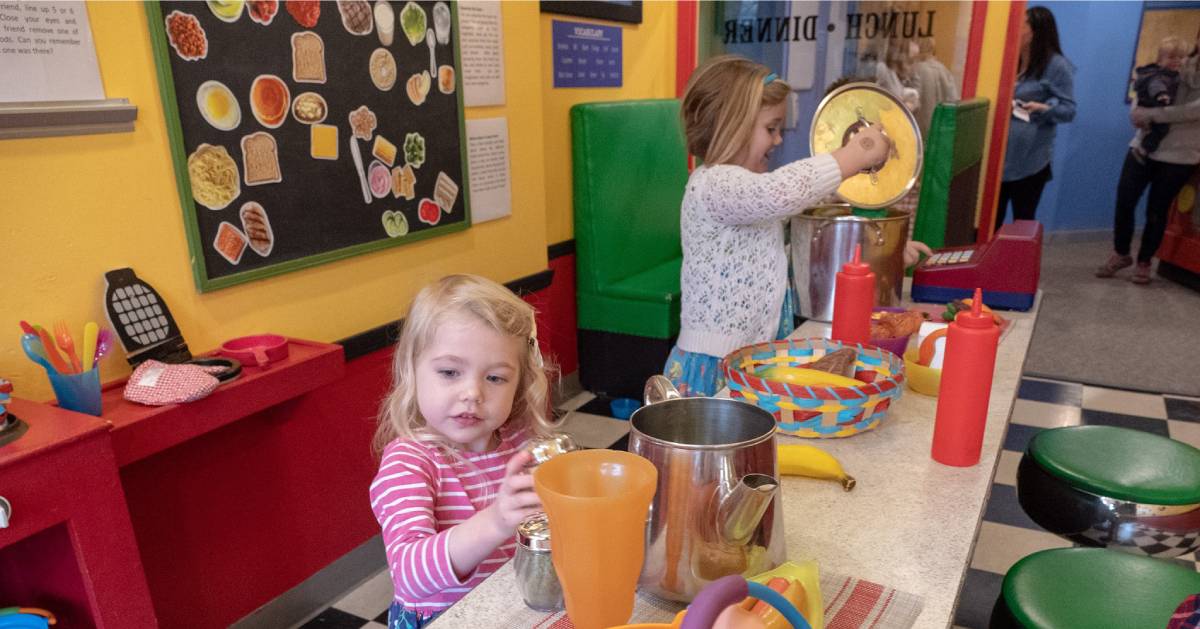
(744, 506)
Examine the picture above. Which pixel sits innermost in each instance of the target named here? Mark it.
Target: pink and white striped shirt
(418, 496)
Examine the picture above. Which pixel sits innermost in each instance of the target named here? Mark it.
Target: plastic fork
(67, 344)
(56, 361)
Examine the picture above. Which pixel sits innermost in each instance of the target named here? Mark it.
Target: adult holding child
(1164, 170)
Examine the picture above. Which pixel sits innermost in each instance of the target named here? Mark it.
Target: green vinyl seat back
(629, 166)
(1092, 587)
(951, 174)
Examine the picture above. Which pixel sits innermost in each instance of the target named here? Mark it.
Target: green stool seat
(1121, 463)
(1113, 487)
(1092, 587)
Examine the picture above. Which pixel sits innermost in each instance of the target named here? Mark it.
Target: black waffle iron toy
(142, 320)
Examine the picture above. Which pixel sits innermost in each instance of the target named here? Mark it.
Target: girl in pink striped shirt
(469, 390)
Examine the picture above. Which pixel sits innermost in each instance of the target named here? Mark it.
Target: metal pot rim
(633, 428)
(893, 215)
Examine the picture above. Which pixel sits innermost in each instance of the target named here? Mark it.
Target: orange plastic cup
(597, 501)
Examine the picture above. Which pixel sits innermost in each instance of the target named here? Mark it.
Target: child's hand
(913, 250)
(867, 148)
(516, 499)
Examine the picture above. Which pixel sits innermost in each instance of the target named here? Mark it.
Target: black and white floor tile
(1005, 536)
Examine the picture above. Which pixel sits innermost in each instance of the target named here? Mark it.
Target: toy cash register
(1007, 269)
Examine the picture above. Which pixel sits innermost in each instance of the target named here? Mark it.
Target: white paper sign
(47, 53)
(801, 53)
(488, 169)
(481, 41)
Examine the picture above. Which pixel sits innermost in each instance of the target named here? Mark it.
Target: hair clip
(533, 346)
(770, 77)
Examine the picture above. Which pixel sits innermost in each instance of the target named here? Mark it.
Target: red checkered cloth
(1187, 615)
(156, 384)
(848, 604)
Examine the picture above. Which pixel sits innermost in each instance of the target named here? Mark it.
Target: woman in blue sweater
(1043, 98)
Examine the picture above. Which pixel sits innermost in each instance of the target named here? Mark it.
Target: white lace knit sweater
(734, 275)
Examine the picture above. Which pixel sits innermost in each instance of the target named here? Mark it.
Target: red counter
(69, 547)
(233, 499)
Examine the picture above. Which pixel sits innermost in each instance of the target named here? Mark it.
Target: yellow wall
(72, 208)
(648, 72)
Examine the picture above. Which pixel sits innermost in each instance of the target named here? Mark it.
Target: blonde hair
(723, 97)
(496, 307)
(1170, 44)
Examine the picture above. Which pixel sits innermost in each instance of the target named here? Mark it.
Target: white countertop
(910, 523)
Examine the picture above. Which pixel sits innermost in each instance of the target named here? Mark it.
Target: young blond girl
(468, 392)
(734, 276)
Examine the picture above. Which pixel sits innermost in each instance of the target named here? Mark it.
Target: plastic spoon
(91, 332)
(52, 354)
(429, 39)
(32, 347)
(103, 344)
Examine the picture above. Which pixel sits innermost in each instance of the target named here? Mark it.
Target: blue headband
(770, 77)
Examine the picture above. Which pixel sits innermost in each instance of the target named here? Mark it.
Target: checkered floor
(1007, 534)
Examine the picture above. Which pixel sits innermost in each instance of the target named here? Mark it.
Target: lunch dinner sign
(586, 54)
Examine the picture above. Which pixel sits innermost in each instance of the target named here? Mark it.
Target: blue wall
(1099, 39)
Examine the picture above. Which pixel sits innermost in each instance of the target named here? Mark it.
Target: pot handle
(817, 232)
(878, 233)
(659, 389)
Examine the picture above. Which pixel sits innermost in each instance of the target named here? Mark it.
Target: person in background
(934, 80)
(1163, 171)
(1155, 86)
(1043, 98)
(469, 390)
(734, 275)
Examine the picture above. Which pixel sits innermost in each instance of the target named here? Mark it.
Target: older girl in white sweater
(734, 276)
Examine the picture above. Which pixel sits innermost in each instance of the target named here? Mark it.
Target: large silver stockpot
(823, 239)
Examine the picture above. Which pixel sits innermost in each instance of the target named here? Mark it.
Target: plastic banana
(802, 460)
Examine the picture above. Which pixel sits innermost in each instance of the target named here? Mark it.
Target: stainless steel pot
(823, 239)
(716, 511)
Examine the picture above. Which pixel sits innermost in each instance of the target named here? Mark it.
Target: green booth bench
(951, 174)
(629, 173)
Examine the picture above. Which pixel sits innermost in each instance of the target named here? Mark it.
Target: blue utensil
(34, 350)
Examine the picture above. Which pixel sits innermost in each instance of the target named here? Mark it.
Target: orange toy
(597, 501)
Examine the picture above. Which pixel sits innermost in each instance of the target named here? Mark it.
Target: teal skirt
(697, 375)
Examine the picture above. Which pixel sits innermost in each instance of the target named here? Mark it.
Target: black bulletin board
(315, 212)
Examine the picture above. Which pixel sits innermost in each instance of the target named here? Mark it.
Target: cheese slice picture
(324, 140)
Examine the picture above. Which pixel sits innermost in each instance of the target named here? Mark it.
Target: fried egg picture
(218, 106)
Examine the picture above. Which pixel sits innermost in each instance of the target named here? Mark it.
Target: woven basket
(811, 411)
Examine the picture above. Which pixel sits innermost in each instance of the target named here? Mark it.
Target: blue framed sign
(586, 54)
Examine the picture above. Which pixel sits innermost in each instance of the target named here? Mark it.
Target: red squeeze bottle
(853, 298)
(966, 386)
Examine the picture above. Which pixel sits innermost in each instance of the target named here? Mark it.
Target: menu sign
(305, 132)
(586, 55)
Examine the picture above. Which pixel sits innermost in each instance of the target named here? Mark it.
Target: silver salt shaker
(535, 571)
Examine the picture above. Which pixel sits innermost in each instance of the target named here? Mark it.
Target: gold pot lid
(846, 109)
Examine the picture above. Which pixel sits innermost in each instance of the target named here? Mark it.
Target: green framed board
(306, 132)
